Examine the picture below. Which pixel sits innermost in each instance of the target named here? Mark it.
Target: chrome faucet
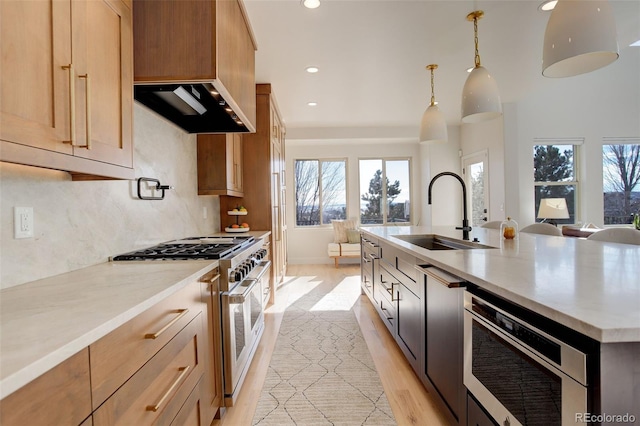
(465, 221)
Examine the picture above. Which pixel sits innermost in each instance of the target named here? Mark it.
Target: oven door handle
(238, 299)
(265, 267)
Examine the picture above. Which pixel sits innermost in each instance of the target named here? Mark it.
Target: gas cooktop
(190, 248)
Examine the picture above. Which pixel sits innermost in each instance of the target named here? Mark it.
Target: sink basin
(438, 242)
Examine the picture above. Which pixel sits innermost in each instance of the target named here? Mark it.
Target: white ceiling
(372, 56)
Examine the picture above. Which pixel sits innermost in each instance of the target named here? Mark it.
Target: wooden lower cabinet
(40, 402)
(156, 393)
(212, 396)
(163, 367)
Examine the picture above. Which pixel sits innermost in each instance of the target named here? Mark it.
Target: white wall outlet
(205, 212)
(23, 222)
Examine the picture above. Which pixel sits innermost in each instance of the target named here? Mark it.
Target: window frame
(607, 141)
(384, 206)
(345, 160)
(577, 144)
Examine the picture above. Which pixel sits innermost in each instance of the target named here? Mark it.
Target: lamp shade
(580, 38)
(433, 127)
(553, 208)
(480, 97)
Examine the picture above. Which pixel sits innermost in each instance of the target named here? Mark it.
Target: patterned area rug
(321, 372)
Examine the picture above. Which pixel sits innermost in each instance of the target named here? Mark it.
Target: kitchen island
(589, 287)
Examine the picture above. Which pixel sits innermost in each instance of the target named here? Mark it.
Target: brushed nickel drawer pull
(157, 334)
(184, 371)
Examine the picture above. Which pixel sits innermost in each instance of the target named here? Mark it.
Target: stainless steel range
(244, 290)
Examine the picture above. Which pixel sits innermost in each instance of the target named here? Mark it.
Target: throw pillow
(353, 236)
(340, 229)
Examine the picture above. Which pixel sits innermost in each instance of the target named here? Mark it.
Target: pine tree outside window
(555, 174)
(385, 191)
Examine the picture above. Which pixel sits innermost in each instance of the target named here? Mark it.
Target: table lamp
(553, 208)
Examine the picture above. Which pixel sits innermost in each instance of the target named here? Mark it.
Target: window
(385, 179)
(555, 176)
(321, 191)
(621, 180)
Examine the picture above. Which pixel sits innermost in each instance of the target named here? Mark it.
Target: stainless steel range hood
(196, 108)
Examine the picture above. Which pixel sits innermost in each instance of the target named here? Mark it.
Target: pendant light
(480, 95)
(433, 128)
(580, 38)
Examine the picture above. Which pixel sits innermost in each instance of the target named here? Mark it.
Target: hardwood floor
(409, 400)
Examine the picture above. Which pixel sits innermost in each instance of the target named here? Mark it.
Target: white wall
(78, 224)
(603, 103)
(309, 245)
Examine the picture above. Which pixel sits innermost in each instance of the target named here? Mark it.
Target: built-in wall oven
(521, 368)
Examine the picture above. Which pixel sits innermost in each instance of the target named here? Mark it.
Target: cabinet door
(212, 382)
(236, 160)
(36, 45)
(103, 60)
(40, 402)
(409, 327)
(444, 343)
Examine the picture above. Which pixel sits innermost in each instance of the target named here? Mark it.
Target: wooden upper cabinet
(220, 165)
(103, 51)
(67, 74)
(196, 41)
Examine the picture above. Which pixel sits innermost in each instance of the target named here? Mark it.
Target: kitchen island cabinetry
(582, 310)
(443, 340)
(220, 165)
(398, 299)
(39, 402)
(67, 76)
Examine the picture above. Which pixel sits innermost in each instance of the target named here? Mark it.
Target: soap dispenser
(509, 229)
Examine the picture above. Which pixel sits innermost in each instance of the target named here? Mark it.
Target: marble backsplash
(78, 224)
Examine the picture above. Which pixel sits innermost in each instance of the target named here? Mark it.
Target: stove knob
(238, 275)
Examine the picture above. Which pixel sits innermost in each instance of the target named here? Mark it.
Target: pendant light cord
(433, 96)
(475, 40)
(474, 16)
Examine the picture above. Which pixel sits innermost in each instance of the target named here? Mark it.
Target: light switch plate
(23, 222)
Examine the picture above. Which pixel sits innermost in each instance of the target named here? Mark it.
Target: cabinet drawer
(163, 384)
(39, 402)
(119, 354)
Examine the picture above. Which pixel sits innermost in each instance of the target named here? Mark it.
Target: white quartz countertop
(589, 286)
(44, 322)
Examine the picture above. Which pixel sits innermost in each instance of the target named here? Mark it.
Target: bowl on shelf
(227, 229)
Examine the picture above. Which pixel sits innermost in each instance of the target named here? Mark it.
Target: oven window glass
(238, 319)
(529, 391)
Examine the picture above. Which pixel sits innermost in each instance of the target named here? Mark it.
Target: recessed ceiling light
(311, 4)
(312, 70)
(312, 103)
(547, 5)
